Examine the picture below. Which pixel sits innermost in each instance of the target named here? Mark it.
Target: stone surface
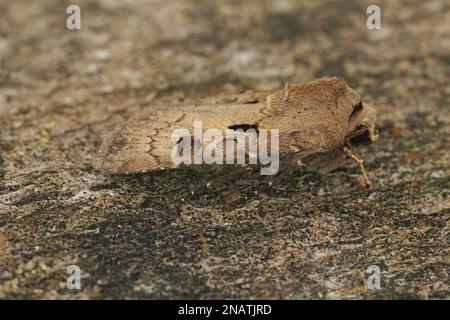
(310, 236)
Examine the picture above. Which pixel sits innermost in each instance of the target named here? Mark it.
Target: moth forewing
(147, 142)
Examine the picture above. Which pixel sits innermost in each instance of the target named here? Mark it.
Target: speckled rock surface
(311, 236)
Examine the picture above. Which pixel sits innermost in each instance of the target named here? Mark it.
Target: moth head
(330, 96)
(359, 115)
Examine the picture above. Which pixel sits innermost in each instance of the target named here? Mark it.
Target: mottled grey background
(311, 236)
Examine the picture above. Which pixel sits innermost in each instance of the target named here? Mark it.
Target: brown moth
(316, 123)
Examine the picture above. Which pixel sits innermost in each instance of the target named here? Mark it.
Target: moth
(317, 123)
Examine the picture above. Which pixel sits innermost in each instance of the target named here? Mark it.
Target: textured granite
(310, 236)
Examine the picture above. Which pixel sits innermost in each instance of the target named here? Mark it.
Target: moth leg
(233, 174)
(352, 155)
(225, 177)
(279, 177)
(291, 162)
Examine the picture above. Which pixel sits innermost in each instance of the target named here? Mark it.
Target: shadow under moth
(316, 121)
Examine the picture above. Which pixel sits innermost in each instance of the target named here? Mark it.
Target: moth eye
(356, 109)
